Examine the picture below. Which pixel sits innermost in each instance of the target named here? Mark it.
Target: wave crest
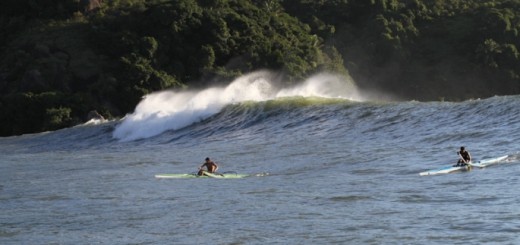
(169, 110)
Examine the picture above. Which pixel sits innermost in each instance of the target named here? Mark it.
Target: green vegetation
(61, 59)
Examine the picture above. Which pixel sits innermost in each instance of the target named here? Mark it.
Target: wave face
(170, 110)
(265, 113)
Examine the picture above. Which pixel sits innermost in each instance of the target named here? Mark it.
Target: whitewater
(170, 110)
(334, 166)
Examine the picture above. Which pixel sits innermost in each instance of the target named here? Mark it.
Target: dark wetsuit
(465, 155)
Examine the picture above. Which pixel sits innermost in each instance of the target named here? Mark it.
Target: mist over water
(170, 110)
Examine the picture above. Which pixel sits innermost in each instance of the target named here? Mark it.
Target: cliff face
(60, 60)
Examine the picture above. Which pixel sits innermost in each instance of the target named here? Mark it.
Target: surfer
(210, 166)
(465, 157)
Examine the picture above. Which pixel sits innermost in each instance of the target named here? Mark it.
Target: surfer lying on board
(465, 157)
(210, 166)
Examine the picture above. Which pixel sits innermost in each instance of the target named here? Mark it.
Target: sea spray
(169, 110)
(324, 85)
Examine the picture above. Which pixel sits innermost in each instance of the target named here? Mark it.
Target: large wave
(170, 110)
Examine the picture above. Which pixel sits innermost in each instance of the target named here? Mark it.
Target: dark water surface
(338, 172)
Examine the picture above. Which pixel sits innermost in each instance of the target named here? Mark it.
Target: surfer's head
(207, 159)
(462, 148)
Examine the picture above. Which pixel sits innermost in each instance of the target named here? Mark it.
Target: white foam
(168, 110)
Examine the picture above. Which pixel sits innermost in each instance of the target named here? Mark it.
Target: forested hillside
(60, 59)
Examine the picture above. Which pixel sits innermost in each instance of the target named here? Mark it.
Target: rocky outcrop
(95, 115)
(87, 6)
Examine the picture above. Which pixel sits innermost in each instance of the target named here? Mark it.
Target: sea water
(334, 167)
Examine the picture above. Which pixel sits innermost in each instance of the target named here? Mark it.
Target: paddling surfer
(210, 167)
(465, 157)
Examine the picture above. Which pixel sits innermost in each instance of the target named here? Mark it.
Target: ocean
(328, 164)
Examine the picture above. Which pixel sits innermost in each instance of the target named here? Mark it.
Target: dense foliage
(61, 59)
